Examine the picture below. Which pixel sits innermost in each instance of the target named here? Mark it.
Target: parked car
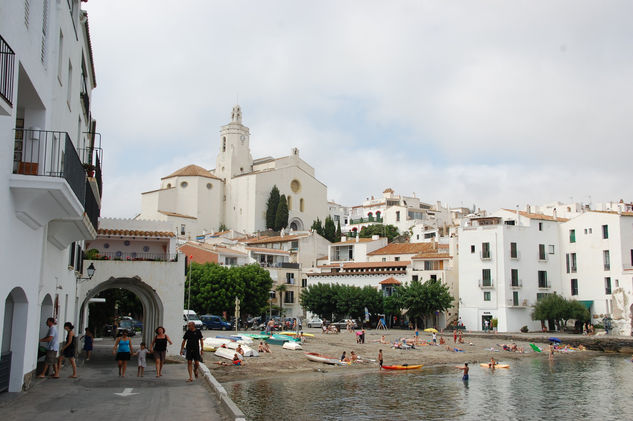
(191, 316)
(125, 325)
(342, 324)
(316, 322)
(138, 325)
(210, 321)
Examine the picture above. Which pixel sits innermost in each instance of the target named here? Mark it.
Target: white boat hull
(293, 346)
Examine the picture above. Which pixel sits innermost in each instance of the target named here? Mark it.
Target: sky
(487, 103)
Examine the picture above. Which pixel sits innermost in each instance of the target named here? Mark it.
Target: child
(465, 370)
(88, 338)
(142, 360)
(236, 359)
(434, 338)
(380, 358)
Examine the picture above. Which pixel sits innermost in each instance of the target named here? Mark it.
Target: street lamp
(91, 271)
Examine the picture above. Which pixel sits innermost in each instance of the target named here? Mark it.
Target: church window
(289, 203)
(301, 204)
(209, 186)
(169, 185)
(224, 144)
(184, 184)
(295, 186)
(241, 169)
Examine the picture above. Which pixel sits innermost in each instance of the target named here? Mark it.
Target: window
(304, 283)
(182, 229)
(414, 278)
(572, 236)
(486, 295)
(541, 295)
(295, 186)
(60, 57)
(230, 261)
(71, 259)
(541, 252)
(485, 250)
(397, 216)
(223, 145)
(27, 11)
(606, 259)
(514, 274)
(472, 250)
(514, 254)
(574, 267)
(289, 202)
(302, 207)
(605, 231)
(290, 278)
(542, 279)
(485, 278)
(184, 184)
(515, 298)
(551, 249)
(294, 245)
(574, 287)
(289, 297)
(69, 90)
(540, 226)
(433, 278)
(44, 32)
(607, 285)
(567, 267)
(397, 259)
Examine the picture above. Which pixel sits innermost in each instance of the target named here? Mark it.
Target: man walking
(52, 348)
(194, 346)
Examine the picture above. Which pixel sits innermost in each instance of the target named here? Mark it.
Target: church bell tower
(234, 157)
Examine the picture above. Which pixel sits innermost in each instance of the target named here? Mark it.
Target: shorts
(123, 356)
(380, 363)
(193, 354)
(69, 352)
(51, 357)
(160, 356)
(465, 378)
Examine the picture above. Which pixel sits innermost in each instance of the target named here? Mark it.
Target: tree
(222, 228)
(319, 299)
(341, 300)
(339, 234)
(419, 299)
(329, 230)
(388, 231)
(271, 207)
(558, 308)
(318, 227)
(281, 218)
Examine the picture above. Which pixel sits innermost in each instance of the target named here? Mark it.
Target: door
(483, 321)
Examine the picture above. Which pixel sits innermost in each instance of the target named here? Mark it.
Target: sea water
(599, 388)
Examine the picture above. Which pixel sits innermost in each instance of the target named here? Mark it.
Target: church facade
(234, 194)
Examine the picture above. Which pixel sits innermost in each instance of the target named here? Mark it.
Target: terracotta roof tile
(390, 281)
(275, 239)
(191, 171)
(353, 240)
(538, 216)
(134, 233)
(431, 256)
(199, 255)
(614, 212)
(360, 265)
(407, 248)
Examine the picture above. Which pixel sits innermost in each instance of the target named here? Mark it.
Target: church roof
(176, 214)
(192, 171)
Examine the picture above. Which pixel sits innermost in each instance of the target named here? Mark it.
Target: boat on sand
(293, 346)
(318, 358)
(402, 367)
(227, 353)
(487, 365)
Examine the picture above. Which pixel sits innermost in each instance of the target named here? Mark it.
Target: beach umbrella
(430, 330)
(553, 339)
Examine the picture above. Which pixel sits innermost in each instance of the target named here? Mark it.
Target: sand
(284, 362)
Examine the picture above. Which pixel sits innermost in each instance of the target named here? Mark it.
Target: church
(234, 194)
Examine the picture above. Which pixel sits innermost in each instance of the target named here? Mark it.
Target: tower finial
(236, 115)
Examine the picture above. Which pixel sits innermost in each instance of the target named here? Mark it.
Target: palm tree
(281, 288)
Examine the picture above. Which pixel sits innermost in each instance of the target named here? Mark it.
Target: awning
(586, 303)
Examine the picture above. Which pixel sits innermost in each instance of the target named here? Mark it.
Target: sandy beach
(477, 349)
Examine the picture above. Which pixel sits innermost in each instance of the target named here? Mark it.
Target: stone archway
(13, 347)
(296, 224)
(46, 311)
(153, 308)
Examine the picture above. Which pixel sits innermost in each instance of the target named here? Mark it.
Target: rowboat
(211, 344)
(496, 365)
(278, 339)
(307, 335)
(402, 367)
(256, 335)
(293, 346)
(227, 353)
(318, 358)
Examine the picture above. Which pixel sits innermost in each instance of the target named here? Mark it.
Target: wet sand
(284, 362)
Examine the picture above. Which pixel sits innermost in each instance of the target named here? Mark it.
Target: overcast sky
(493, 103)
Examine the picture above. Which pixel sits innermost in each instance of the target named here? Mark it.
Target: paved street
(93, 395)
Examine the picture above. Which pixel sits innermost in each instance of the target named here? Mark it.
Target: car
(191, 316)
(125, 325)
(316, 322)
(342, 324)
(211, 321)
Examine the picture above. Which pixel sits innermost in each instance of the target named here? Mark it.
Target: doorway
(485, 318)
(13, 341)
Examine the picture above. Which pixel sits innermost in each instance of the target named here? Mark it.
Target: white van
(191, 316)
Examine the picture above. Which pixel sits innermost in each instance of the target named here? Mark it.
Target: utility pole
(237, 312)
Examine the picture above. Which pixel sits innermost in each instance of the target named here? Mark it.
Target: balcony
(486, 284)
(49, 186)
(7, 69)
(365, 220)
(544, 285)
(485, 255)
(516, 284)
(135, 257)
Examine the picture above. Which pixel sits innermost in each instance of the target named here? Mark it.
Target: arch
(13, 346)
(296, 224)
(153, 309)
(46, 311)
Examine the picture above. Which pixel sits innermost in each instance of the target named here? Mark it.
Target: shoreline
(476, 347)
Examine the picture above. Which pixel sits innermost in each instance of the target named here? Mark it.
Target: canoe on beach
(402, 367)
(293, 346)
(318, 358)
(496, 365)
(307, 335)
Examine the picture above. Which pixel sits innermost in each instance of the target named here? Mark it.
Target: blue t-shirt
(53, 345)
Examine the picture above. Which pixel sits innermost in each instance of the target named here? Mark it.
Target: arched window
(378, 215)
(289, 203)
(301, 204)
(224, 144)
(370, 216)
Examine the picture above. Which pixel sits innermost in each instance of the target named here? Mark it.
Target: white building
(49, 203)
(234, 194)
(506, 261)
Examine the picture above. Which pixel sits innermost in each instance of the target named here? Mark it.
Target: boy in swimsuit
(380, 358)
(465, 370)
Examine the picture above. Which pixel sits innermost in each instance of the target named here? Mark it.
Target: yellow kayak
(496, 365)
(307, 335)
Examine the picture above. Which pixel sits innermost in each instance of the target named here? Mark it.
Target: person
(88, 341)
(236, 359)
(380, 358)
(194, 341)
(434, 338)
(159, 348)
(465, 369)
(442, 341)
(354, 357)
(68, 350)
(486, 324)
(123, 350)
(267, 348)
(550, 351)
(461, 337)
(417, 334)
(362, 336)
(142, 360)
(492, 363)
(455, 336)
(52, 346)
(261, 347)
(343, 356)
(239, 350)
(383, 340)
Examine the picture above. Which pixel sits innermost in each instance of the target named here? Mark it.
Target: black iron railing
(7, 67)
(135, 257)
(92, 159)
(49, 154)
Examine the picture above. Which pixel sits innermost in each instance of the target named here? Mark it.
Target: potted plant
(90, 169)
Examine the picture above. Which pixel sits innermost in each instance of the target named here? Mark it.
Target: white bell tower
(234, 157)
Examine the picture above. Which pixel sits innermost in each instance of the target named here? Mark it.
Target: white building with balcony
(50, 174)
(235, 193)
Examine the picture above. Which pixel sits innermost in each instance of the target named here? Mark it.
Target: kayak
(496, 365)
(402, 367)
(307, 335)
(535, 348)
(256, 335)
(318, 358)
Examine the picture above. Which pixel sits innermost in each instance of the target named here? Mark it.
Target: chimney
(343, 238)
(554, 214)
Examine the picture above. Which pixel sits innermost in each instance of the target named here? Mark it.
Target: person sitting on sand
(442, 341)
(354, 357)
(261, 347)
(343, 356)
(513, 347)
(461, 337)
(267, 348)
(239, 350)
(383, 340)
(236, 359)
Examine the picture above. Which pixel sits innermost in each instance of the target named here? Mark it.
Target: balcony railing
(365, 220)
(135, 257)
(485, 255)
(516, 284)
(49, 154)
(544, 285)
(486, 283)
(7, 68)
